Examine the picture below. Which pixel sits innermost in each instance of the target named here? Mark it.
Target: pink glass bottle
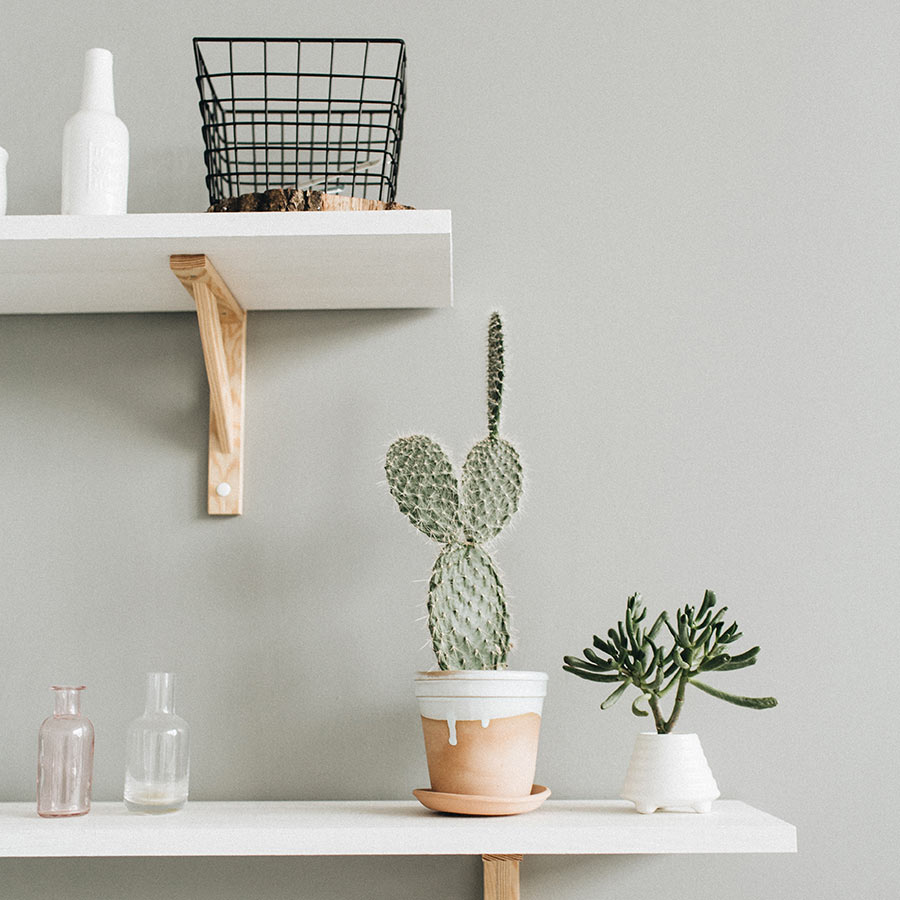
(65, 757)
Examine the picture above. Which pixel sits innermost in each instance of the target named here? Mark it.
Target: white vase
(95, 146)
(4, 157)
(669, 771)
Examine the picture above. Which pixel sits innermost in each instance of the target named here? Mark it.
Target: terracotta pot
(481, 730)
(669, 771)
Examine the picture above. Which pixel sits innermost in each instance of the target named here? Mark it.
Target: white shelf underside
(303, 260)
(360, 828)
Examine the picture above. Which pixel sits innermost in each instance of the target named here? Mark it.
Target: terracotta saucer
(479, 805)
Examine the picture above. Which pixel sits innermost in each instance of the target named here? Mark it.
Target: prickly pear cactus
(467, 613)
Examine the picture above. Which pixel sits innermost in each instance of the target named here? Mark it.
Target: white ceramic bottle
(95, 146)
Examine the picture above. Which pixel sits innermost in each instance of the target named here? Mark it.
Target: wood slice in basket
(292, 200)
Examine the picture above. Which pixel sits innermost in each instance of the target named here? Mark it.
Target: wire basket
(302, 113)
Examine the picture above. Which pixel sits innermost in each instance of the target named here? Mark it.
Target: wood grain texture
(223, 334)
(216, 367)
(501, 876)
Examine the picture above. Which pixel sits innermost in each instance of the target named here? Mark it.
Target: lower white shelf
(388, 827)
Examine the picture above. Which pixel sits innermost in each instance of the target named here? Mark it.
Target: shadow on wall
(271, 878)
(320, 332)
(305, 744)
(139, 371)
(146, 370)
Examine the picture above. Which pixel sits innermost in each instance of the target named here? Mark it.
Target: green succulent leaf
(637, 709)
(716, 662)
(748, 702)
(672, 631)
(630, 629)
(741, 660)
(614, 696)
(657, 625)
(598, 661)
(579, 663)
(669, 685)
(733, 666)
(592, 676)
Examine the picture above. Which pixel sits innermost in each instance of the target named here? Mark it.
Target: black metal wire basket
(305, 113)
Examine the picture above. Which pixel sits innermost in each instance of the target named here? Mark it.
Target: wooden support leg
(223, 333)
(501, 876)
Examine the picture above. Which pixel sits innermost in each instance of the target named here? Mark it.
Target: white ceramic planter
(669, 771)
(481, 730)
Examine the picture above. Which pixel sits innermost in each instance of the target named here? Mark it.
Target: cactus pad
(491, 488)
(467, 613)
(422, 482)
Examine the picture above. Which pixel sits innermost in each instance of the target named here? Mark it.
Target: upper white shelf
(277, 260)
(360, 828)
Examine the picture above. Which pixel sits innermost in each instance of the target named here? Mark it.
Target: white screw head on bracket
(223, 489)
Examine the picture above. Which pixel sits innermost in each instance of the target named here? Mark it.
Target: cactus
(467, 612)
(635, 656)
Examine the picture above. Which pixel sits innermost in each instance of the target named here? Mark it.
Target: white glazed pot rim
(4, 155)
(488, 683)
(671, 736)
(481, 675)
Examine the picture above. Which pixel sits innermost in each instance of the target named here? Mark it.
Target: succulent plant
(633, 655)
(467, 612)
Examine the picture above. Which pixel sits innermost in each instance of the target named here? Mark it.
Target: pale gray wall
(688, 213)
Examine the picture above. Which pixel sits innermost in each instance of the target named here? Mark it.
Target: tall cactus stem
(494, 374)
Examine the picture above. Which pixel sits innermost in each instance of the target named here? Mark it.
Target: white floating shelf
(360, 828)
(269, 260)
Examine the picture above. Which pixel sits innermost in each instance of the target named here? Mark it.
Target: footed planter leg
(646, 808)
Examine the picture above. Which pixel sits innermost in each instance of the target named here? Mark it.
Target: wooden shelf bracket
(501, 875)
(223, 333)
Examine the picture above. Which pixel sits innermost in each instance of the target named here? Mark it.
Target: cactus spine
(467, 612)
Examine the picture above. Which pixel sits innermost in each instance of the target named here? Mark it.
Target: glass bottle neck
(67, 701)
(97, 88)
(160, 692)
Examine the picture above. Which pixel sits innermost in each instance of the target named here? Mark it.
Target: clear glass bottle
(65, 757)
(158, 752)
